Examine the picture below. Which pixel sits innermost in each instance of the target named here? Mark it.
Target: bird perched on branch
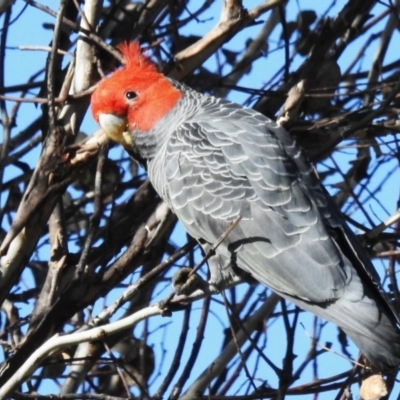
(213, 161)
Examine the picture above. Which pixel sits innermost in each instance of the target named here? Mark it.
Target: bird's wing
(228, 161)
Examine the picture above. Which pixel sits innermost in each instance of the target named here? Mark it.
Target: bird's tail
(365, 321)
(382, 351)
(374, 333)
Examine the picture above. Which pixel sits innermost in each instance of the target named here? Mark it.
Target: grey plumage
(215, 161)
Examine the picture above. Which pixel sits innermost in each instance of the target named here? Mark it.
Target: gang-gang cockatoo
(213, 161)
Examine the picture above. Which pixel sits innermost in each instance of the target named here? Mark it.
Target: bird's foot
(185, 281)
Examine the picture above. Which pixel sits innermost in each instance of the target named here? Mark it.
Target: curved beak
(115, 127)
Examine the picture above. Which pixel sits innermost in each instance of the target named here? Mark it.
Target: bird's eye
(130, 94)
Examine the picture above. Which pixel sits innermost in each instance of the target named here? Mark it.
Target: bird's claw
(165, 309)
(186, 282)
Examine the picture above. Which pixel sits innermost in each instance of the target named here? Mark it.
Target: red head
(133, 98)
